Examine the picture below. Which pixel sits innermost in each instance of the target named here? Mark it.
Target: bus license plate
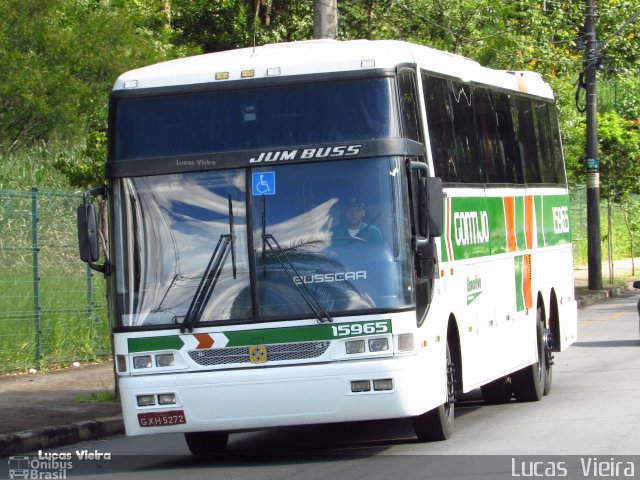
(161, 419)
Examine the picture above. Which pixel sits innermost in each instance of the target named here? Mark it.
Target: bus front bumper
(259, 398)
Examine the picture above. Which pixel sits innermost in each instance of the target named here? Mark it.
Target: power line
(622, 27)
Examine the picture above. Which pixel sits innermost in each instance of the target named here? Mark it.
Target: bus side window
(468, 166)
(440, 125)
(410, 115)
(509, 154)
(486, 129)
(527, 142)
(558, 163)
(547, 170)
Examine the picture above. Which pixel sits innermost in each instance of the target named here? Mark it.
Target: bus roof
(323, 56)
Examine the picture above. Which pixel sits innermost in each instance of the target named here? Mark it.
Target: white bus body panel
(258, 398)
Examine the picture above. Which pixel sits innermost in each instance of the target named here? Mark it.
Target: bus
(330, 231)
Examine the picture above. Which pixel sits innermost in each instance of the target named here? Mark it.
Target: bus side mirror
(430, 207)
(88, 233)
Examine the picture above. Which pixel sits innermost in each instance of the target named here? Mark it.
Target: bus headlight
(378, 344)
(142, 361)
(165, 360)
(355, 346)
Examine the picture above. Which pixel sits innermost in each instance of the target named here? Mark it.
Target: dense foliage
(59, 58)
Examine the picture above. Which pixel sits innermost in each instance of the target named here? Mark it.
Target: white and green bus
(330, 231)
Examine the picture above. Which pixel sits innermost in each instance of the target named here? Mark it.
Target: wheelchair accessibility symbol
(263, 183)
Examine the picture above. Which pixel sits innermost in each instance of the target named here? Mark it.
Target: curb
(50, 437)
(599, 296)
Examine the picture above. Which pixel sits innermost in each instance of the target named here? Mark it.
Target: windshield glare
(341, 237)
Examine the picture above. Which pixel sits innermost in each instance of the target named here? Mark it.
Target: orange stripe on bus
(510, 219)
(526, 282)
(528, 221)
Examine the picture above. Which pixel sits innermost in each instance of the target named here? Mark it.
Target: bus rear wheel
(437, 424)
(206, 443)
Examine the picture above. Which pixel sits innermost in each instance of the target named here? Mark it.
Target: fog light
(167, 399)
(142, 362)
(378, 344)
(405, 342)
(165, 360)
(146, 400)
(360, 386)
(383, 384)
(355, 346)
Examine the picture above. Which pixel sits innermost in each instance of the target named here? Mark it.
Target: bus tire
(437, 424)
(548, 362)
(551, 337)
(206, 443)
(497, 392)
(528, 383)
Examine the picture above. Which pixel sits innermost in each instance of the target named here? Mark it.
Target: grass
(69, 330)
(102, 396)
(62, 325)
(34, 167)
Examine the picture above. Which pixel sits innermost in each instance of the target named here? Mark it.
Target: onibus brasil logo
(50, 465)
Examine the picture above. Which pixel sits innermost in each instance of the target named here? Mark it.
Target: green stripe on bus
(477, 226)
(519, 280)
(306, 334)
(538, 204)
(556, 220)
(470, 228)
(149, 344)
(497, 224)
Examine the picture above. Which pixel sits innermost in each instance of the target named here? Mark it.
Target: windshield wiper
(226, 244)
(310, 299)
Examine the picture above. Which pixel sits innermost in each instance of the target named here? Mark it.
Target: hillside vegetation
(59, 59)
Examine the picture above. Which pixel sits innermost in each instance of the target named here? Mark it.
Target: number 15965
(361, 328)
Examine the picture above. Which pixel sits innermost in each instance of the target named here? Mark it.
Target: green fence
(52, 307)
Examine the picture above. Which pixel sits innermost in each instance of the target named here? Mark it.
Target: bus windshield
(226, 120)
(335, 233)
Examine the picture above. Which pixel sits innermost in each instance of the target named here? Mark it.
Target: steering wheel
(351, 239)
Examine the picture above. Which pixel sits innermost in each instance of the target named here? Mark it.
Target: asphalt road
(587, 426)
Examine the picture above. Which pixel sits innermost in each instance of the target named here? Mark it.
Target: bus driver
(353, 226)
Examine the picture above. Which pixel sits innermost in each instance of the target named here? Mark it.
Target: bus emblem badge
(257, 354)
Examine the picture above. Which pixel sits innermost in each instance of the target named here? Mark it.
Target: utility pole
(593, 167)
(325, 19)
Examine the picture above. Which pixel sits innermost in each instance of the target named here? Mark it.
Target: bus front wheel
(437, 424)
(529, 383)
(206, 443)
